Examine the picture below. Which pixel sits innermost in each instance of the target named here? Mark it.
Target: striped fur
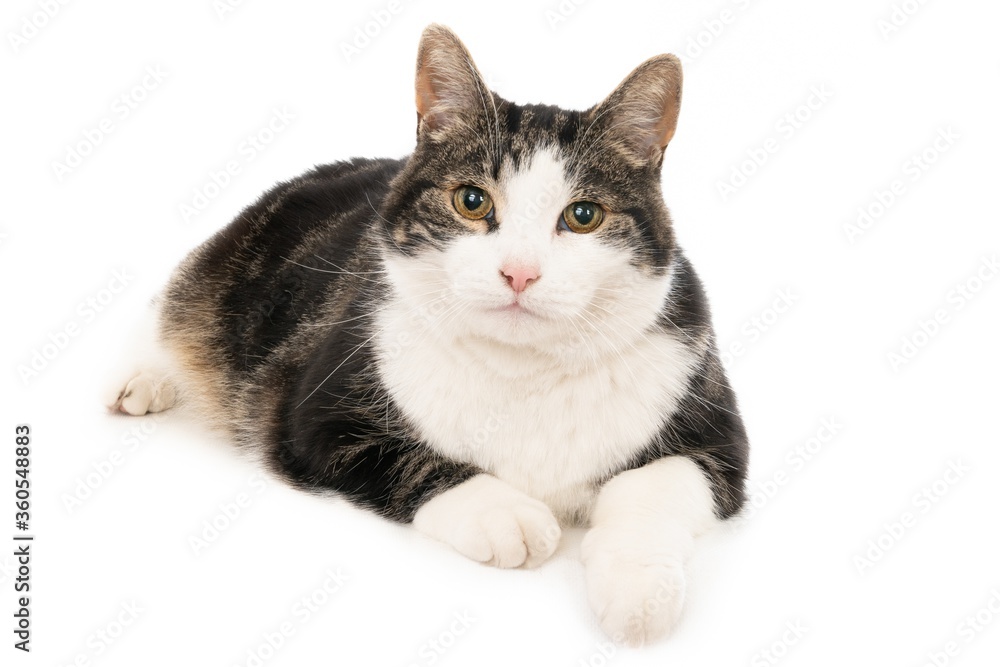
(273, 320)
(358, 333)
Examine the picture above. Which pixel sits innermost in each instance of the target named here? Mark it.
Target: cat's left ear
(640, 116)
(449, 87)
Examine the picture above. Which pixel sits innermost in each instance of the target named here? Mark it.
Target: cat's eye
(581, 217)
(472, 202)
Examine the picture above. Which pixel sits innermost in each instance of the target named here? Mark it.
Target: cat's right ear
(449, 86)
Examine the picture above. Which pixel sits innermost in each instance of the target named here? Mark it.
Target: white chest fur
(548, 429)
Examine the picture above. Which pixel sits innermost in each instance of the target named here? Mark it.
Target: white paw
(491, 522)
(144, 393)
(637, 594)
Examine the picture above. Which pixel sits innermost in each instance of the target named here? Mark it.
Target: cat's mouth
(517, 309)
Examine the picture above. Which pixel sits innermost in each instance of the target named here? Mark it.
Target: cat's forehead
(537, 184)
(529, 126)
(491, 145)
(532, 146)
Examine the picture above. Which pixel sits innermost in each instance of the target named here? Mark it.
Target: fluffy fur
(365, 337)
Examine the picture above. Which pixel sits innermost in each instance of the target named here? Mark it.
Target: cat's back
(245, 292)
(315, 209)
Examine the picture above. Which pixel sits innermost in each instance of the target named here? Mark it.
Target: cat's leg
(142, 380)
(490, 521)
(479, 515)
(643, 527)
(369, 454)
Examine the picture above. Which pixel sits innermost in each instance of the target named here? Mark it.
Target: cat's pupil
(474, 198)
(584, 214)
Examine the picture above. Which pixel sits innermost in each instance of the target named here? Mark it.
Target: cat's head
(530, 224)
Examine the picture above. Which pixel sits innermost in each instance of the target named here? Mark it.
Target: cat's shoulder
(686, 307)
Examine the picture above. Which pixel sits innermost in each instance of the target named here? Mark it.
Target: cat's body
(487, 376)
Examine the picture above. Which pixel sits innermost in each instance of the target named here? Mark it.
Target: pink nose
(519, 276)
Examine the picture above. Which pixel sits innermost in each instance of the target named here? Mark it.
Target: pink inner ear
(427, 98)
(664, 130)
(440, 99)
(656, 122)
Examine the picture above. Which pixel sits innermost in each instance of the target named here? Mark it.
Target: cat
(492, 338)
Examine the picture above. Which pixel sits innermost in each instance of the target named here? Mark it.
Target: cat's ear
(448, 84)
(641, 114)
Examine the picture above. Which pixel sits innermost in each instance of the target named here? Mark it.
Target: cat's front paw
(491, 522)
(637, 595)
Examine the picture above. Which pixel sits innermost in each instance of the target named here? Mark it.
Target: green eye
(472, 202)
(582, 217)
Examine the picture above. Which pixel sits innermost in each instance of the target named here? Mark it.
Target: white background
(124, 538)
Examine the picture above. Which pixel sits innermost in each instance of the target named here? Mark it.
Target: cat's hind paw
(491, 522)
(144, 393)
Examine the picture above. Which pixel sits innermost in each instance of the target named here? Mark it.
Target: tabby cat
(490, 338)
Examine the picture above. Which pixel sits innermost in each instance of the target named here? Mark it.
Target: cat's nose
(519, 276)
